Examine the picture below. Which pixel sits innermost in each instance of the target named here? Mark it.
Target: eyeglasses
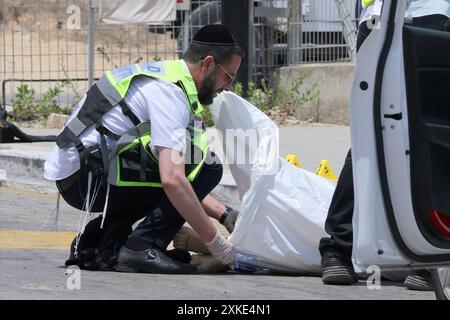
(232, 77)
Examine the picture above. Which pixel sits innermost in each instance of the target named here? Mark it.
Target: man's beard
(206, 91)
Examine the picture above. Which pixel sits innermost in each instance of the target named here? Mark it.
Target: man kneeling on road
(141, 141)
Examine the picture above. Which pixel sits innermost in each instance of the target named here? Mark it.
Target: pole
(235, 16)
(294, 54)
(91, 45)
(251, 42)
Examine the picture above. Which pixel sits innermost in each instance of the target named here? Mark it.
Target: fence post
(251, 43)
(91, 29)
(349, 28)
(236, 16)
(295, 36)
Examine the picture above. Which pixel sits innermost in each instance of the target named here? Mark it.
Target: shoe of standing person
(336, 270)
(420, 280)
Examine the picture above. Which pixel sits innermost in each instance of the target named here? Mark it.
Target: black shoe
(95, 260)
(72, 259)
(336, 271)
(420, 281)
(152, 260)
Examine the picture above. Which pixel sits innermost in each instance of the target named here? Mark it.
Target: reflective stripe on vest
(366, 3)
(171, 71)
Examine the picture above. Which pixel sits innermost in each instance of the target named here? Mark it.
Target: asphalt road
(32, 254)
(38, 274)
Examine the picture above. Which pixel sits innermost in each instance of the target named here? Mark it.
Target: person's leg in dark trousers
(339, 220)
(163, 221)
(336, 250)
(97, 247)
(74, 191)
(145, 250)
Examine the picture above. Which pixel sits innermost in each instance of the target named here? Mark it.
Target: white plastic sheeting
(132, 11)
(284, 208)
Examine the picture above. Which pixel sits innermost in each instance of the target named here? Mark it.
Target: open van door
(400, 130)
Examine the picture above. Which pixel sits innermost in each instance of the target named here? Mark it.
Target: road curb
(27, 167)
(21, 167)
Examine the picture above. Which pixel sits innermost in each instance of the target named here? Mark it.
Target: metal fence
(300, 31)
(45, 42)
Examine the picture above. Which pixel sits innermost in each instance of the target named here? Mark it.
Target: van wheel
(441, 283)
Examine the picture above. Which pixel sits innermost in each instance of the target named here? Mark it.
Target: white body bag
(284, 208)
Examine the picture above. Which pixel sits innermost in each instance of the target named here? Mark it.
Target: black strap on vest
(93, 158)
(106, 132)
(94, 107)
(127, 111)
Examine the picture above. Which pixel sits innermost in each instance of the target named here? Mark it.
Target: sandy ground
(37, 44)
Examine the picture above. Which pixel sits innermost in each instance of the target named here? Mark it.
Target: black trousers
(126, 206)
(340, 214)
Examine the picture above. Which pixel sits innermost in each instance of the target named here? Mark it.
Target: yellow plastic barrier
(324, 170)
(293, 159)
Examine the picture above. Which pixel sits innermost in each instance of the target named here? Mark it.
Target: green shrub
(259, 97)
(294, 97)
(26, 107)
(238, 89)
(48, 104)
(266, 98)
(207, 118)
(23, 104)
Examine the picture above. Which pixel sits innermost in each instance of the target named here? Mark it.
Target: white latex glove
(222, 249)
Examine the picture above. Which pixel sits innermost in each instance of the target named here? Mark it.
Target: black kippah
(214, 34)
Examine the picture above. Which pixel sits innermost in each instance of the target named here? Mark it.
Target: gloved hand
(228, 219)
(222, 249)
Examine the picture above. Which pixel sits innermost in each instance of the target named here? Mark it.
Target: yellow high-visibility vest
(366, 3)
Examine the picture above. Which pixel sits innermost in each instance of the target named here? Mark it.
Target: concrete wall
(334, 82)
